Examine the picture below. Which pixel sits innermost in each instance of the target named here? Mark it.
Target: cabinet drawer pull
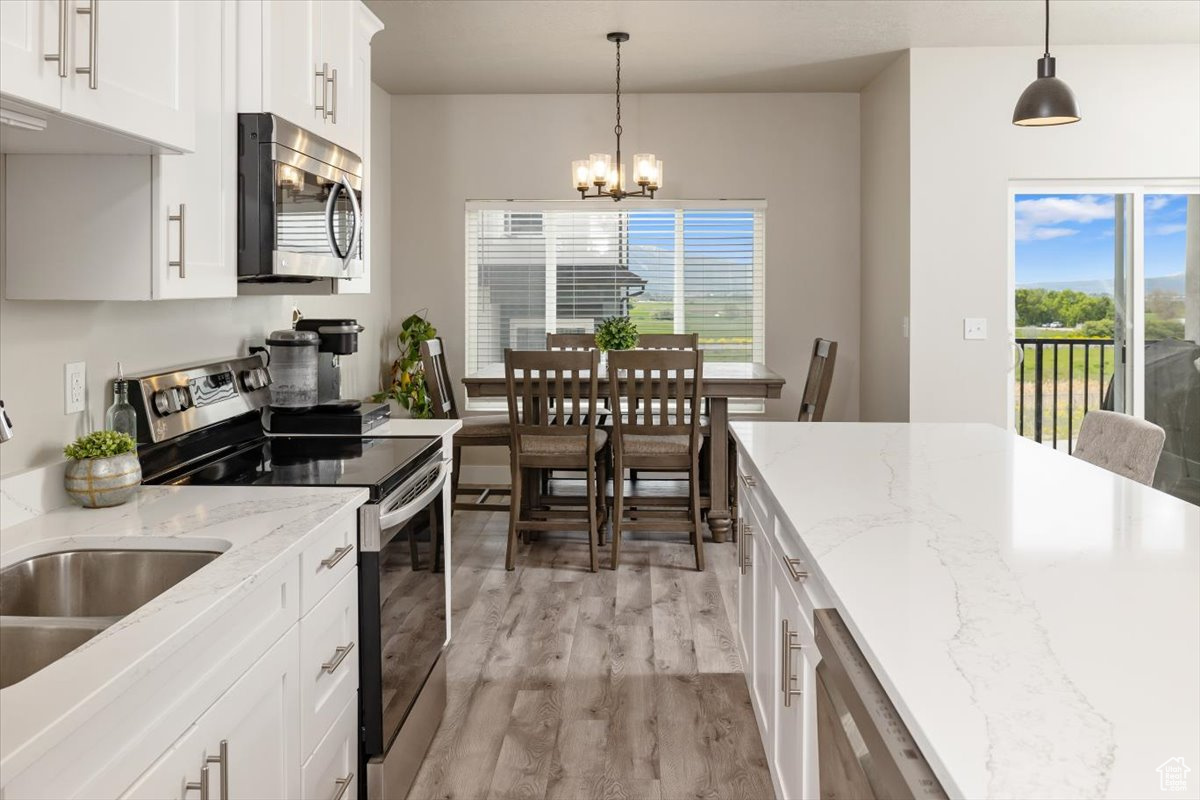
(793, 566)
(181, 218)
(333, 98)
(200, 785)
(789, 646)
(339, 655)
(93, 13)
(337, 556)
(223, 760)
(322, 73)
(61, 55)
(342, 785)
(748, 480)
(744, 543)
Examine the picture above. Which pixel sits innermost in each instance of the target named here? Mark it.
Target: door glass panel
(1171, 324)
(1074, 256)
(300, 200)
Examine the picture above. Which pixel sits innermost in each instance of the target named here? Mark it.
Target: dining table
(722, 381)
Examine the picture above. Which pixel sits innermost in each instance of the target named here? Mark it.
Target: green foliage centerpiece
(408, 372)
(103, 470)
(616, 333)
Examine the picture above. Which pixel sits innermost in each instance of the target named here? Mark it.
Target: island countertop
(1035, 619)
(255, 528)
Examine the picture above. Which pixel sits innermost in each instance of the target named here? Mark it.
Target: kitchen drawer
(327, 560)
(751, 493)
(328, 661)
(807, 588)
(330, 772)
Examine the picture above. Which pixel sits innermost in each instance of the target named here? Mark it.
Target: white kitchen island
(1034, 619)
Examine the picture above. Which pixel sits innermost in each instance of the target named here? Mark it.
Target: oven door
(402, 606)
(318, 218)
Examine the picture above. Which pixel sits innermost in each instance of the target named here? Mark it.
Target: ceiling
(553, 46)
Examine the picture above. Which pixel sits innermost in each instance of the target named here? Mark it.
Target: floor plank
(569, 684)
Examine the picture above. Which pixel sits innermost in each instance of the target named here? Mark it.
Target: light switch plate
(74, 387)
(974, 328)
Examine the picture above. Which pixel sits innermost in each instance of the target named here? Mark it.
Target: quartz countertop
(1034, 618)
(257, 529)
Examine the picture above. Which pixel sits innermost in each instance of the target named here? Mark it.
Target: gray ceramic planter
(103, 482)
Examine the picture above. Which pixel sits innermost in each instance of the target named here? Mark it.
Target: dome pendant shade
(1046, 101)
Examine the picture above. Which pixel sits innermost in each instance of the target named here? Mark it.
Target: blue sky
(1069, 237)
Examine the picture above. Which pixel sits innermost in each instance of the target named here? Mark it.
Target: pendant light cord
(1047, 30)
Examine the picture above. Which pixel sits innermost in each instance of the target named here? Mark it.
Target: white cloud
(1037, 217)
(1156, 202)
(1168, 229)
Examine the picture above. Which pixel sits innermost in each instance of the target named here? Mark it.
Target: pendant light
(606, 174)
(1046, 101)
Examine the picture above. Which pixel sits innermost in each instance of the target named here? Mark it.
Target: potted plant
(615, 333)
(408, 389)
(103, 470)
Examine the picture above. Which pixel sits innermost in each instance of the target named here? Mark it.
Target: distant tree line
(1066, 306)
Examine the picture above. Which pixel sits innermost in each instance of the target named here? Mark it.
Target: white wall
(799, 151)
(1141, 119)
(885, 244)
(37, 338)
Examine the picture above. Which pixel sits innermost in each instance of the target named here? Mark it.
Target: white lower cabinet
(775, 632)
(247, 745)
(330, 771)
(328, 661)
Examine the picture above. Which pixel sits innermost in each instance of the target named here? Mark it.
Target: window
(673, 268)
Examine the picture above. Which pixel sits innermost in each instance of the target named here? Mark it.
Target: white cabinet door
(29, 31)
(195, 221)
(140, 59)
(766, 625)
(745, 613)
(336, 50)
(258, 719)
(291, 57)
(794, 752)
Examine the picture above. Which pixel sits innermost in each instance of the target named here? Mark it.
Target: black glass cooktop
(376, 463)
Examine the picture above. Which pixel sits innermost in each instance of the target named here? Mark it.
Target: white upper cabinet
(29, 34)
(124, 65)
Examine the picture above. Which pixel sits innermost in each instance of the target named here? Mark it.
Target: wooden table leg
(718, 483)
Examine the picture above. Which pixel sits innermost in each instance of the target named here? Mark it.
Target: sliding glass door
(1107, 315)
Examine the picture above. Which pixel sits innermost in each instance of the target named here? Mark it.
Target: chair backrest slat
(820, 377)
(437, 379)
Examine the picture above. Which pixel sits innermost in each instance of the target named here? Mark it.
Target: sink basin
(29, 644)
(93, 583)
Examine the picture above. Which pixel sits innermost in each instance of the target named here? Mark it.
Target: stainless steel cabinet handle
(747, 530)
(181, 219)
(333, 98)
(201, 785)
(339, 655)
(323, 74)
(61, 55)
(793, 566)
(93, 12)
(749, 480)
(789, 646)
(223, 760)
(337, 556)
(342, 785)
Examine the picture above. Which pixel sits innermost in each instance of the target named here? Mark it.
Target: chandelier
(606, 174)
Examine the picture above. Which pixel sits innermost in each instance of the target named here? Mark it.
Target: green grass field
(657, 316)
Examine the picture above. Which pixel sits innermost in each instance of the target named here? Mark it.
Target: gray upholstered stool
(1120, 443)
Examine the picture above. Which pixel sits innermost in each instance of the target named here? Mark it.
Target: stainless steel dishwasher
(864, 749)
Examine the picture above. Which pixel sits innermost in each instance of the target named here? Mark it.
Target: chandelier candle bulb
(658, 176)
(601, 167)
(582, 175)
(645, 167)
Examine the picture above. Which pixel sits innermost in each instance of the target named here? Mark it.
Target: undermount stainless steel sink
(93, 583)
(27, 644)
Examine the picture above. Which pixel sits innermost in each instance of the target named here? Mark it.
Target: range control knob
(165, 402)
(255, 379)
(183, 397)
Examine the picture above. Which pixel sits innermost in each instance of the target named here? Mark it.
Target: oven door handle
(398, 516)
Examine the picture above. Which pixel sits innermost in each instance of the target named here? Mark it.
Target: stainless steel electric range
(202, 425)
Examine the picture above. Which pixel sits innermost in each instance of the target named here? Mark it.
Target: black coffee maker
(332, 415)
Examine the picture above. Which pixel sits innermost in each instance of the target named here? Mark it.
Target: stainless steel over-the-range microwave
(300, 209)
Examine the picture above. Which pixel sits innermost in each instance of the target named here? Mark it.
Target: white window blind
(672, 269)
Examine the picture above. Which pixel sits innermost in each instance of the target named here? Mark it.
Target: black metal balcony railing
(1058, 381)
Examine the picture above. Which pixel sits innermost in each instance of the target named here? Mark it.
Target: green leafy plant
(616, 333)
(408, 386)
(101, 444)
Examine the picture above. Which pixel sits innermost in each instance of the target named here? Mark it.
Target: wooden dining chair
(570, 341)
(668, 341)
(663, 436)
(565, 439)
(485, 430)
(820, 377)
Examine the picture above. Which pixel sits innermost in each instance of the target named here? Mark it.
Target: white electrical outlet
(74, 387)
(974, 328)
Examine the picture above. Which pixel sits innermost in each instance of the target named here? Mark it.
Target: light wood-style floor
(576, 685)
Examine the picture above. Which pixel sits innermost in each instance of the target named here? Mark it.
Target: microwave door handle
(330, 204)
(358, 217)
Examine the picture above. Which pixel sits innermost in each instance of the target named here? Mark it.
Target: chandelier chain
(617, 128)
